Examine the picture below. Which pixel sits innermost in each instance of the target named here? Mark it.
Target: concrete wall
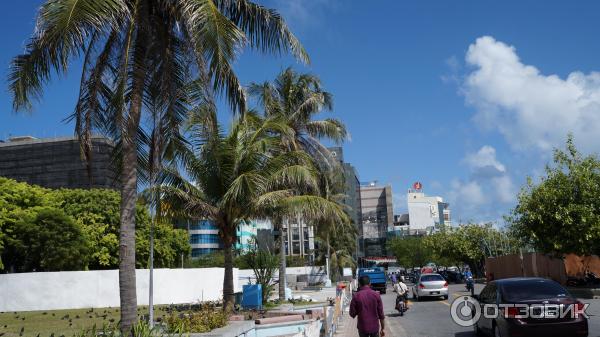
(315, 274)
(100, 288)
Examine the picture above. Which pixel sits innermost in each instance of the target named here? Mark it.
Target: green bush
(206, 319)
(295, 261)
(74, 215)
(214, 260)
(264, 265)
(45, 239)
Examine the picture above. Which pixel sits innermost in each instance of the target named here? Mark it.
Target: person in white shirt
(401, 290)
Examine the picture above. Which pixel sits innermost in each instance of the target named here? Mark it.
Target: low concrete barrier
(100, 288)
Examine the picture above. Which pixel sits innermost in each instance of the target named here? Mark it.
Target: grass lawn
(63, 322)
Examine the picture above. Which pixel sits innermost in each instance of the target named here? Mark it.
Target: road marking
(446, 303)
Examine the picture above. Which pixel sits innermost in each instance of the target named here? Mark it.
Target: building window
(203, 224)
(295, 248)
(204, 238)
(197, 252)
(295, 234)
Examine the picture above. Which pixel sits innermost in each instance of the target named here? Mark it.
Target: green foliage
(410, 251)
(14, 197)
(215, 260)
(205, 319)
(295, 261)
(45, 239)
(74, 219)
(264, 265)
(560, 214)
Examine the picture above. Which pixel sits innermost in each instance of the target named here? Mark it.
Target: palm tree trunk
(228, 291)
(127, 290)
(127, 284)
(282, 266)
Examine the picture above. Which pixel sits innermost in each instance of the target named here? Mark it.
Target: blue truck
(377, 276)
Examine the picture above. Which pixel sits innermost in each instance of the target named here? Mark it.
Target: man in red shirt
(367, 305)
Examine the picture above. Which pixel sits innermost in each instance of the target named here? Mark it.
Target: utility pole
(151, 281)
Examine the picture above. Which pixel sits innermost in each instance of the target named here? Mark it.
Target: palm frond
(330, 128)
(265, 28)
(62, 29)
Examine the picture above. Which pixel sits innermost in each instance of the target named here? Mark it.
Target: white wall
(100, 288)
(317, 272)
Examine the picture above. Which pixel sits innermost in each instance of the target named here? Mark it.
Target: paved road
(428, 318)
(431, 318)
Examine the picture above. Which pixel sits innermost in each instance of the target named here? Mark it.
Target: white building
(426, 212)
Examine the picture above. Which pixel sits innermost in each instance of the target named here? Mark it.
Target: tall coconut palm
(296, 99)
(337, 239)
(244, 174)
(125, 45)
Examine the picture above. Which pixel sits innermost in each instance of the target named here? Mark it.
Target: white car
(430, 285)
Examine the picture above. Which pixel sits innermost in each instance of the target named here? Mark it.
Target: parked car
(528, 290)
(452, 276)
(430, 285)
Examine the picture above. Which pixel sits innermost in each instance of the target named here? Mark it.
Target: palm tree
(242, 175)
(296, 99)
(126, 45)
(337, 238)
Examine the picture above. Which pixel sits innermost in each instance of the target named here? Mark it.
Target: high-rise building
(426, 212)
(204, 237)
(377, 219)
(352, 185)
(57, 162)
(298, 235)
(299, 238)
(248, 235)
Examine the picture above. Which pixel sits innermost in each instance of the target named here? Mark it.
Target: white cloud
(488, 186)
(466, 194)
(530, 109)
(301, 13)
(484, 161)
(504, 189)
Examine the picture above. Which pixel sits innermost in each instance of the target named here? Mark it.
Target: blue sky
(467, 97)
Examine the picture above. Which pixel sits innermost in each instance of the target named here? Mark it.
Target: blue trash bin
(252, 296)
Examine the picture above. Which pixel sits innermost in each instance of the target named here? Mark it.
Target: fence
(576, 266)
(100, 288)
(528, 265)
(334, 315)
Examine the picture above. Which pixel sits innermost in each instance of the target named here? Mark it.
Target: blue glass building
(204, 237)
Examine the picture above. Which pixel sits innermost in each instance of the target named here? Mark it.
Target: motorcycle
(470, 286)
(401, 304)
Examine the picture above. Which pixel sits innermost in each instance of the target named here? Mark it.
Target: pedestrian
(367, 305)
(394, 278)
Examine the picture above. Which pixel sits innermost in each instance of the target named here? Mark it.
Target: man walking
(367, 305)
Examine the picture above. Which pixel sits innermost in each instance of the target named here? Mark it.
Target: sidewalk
(347, 327)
